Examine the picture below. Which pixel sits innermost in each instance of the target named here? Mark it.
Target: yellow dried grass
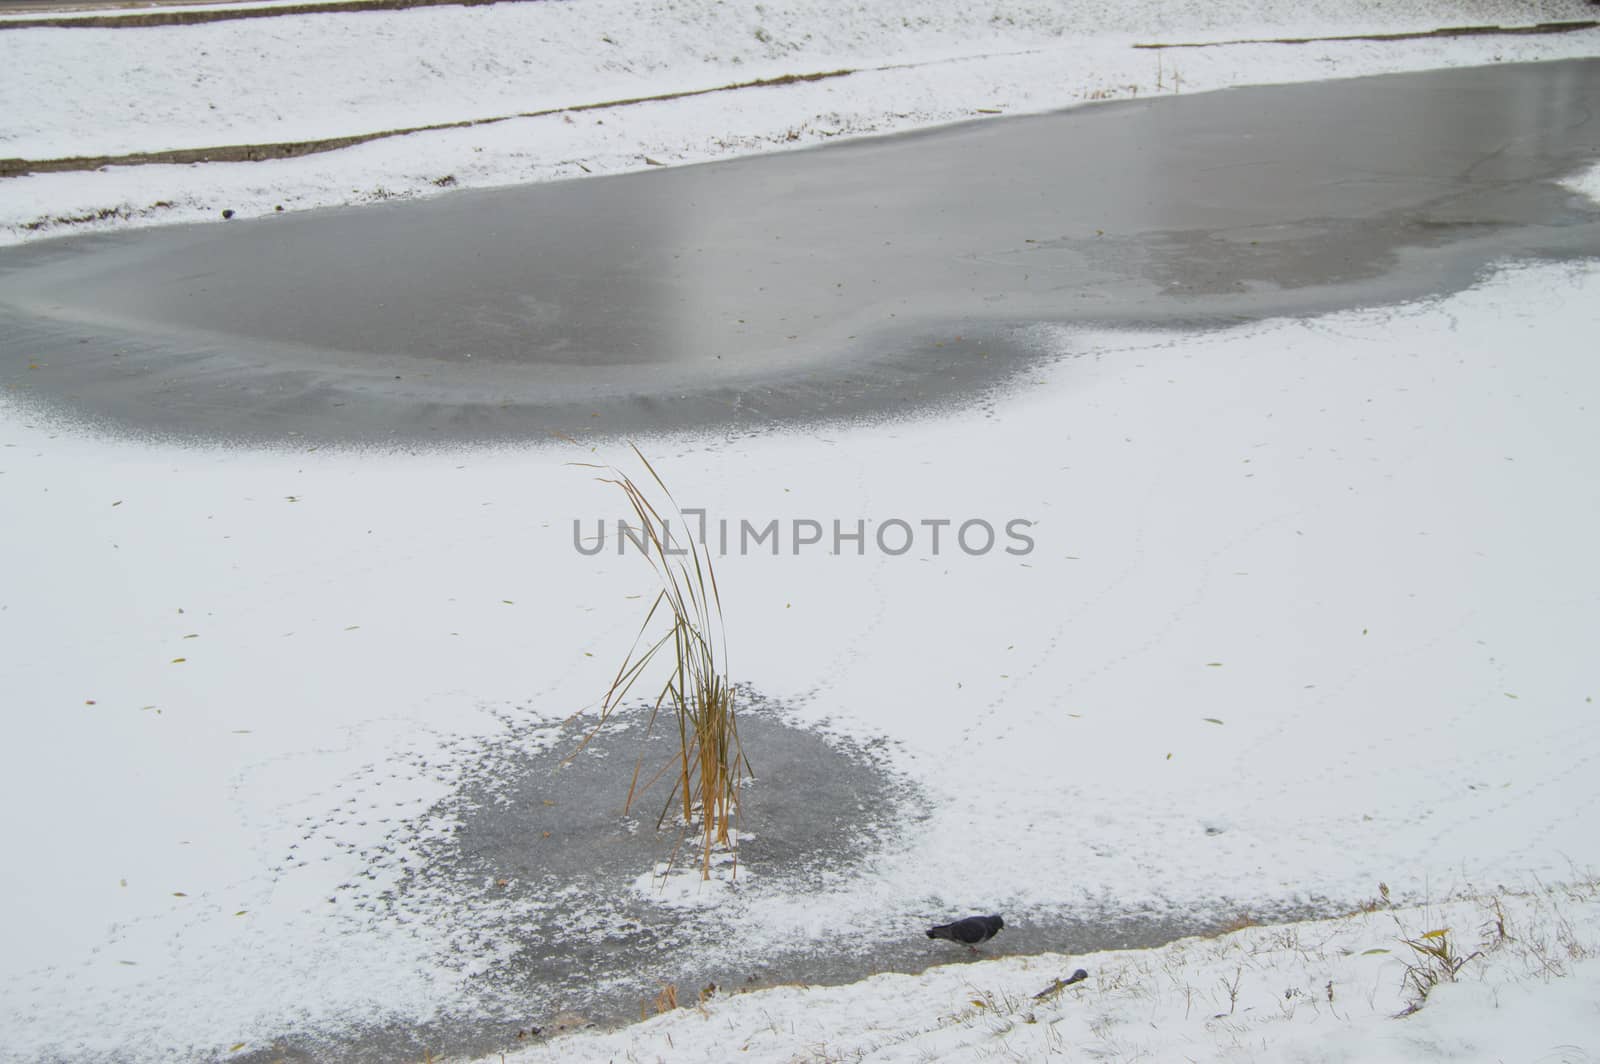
(706, 768)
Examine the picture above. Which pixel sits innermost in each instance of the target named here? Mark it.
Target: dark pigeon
(969, 932)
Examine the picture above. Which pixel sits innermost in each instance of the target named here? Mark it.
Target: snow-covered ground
(1312, 607)
(1337, 990)
(109, 92)
(1312, 604)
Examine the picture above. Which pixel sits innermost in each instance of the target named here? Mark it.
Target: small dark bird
(969, 932)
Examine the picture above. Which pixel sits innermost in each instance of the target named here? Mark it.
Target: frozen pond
(859, 278)
(1312, 608)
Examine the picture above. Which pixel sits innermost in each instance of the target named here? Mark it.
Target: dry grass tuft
(709, 765)
(1435, 961)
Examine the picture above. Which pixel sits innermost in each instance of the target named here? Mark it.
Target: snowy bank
(1506, 977)
(73, 93)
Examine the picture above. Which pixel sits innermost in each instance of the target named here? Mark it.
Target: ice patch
(1586, 183)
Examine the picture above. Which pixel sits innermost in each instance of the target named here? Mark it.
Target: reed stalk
(709, 764)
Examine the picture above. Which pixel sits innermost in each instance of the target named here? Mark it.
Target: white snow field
(67, 93)
(1312, 607)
